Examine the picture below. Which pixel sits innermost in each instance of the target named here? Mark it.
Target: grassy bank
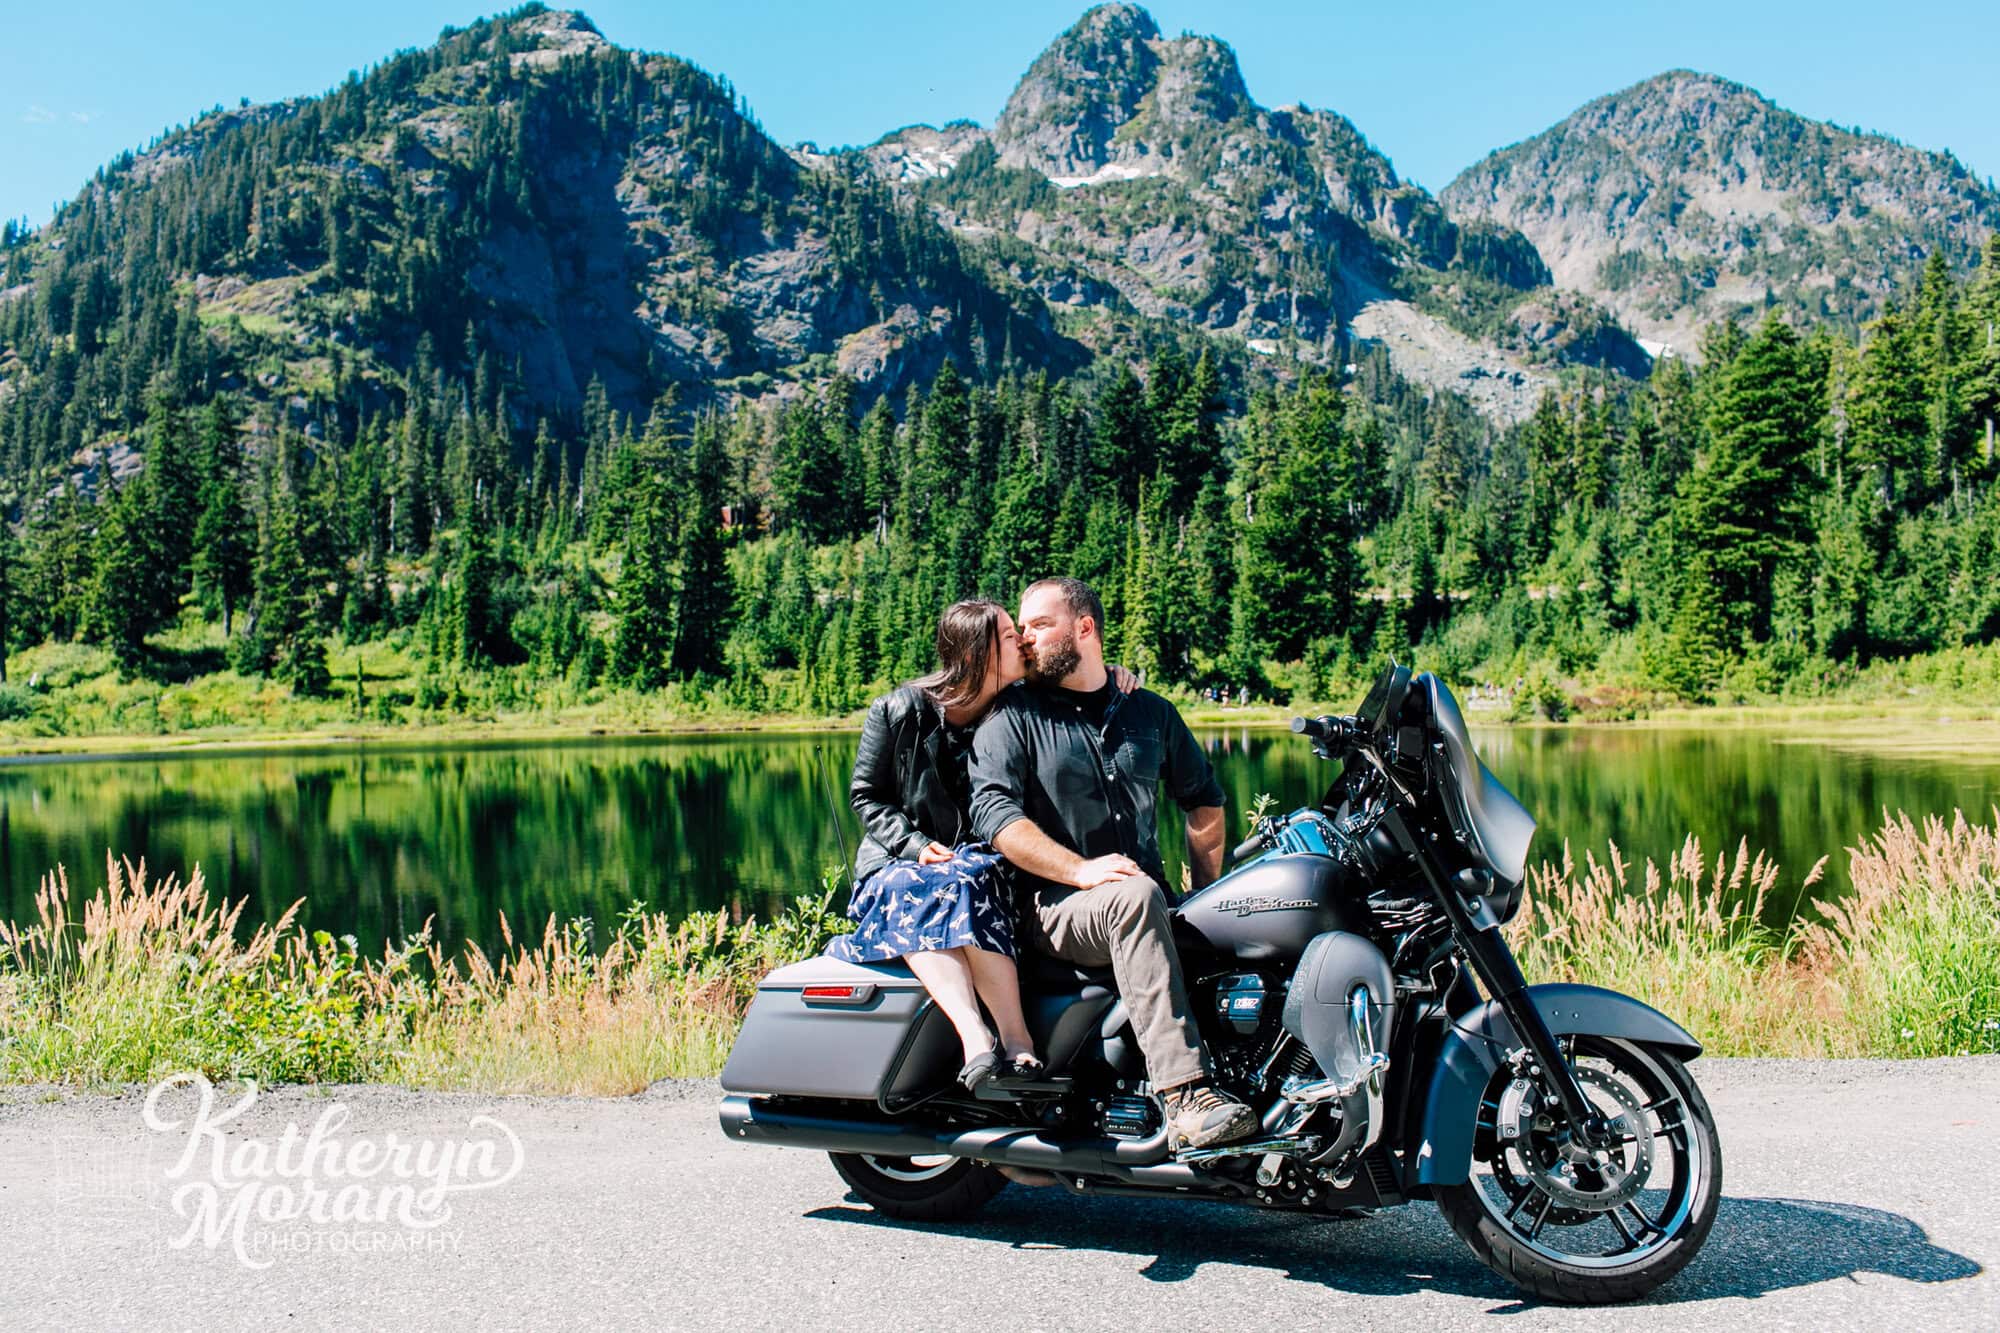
(148, 977)
(70, 698)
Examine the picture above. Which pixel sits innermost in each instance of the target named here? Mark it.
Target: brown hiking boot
(1199, 1117)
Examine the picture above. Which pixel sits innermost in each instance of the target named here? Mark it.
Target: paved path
(1859, 1195)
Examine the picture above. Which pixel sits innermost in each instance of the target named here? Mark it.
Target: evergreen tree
(223, 534)
(1298, 571)
(1981, 371)
(174, 492)
(9, 594)
(283, 638)
(1745, 506)
(1887, 415)
(1699, 639)
(702, 620)
(122, 606)
(1124, 452)
(647, 589)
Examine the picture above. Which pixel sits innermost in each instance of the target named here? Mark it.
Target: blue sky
(1434, 85)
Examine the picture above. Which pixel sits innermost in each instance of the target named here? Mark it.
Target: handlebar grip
(1249, 847)
(1328, 728)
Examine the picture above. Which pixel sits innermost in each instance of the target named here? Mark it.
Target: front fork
(1479, 932)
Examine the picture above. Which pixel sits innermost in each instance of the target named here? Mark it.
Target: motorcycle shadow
(1758, 1245)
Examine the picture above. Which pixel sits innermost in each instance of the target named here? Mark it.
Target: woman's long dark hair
(968, 640)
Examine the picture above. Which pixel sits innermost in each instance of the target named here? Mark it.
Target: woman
(922, 891)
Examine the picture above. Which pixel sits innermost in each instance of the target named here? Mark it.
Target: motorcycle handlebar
(1249, 847)
(1329, 728)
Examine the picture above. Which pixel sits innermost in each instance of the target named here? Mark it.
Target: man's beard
(1047, 664)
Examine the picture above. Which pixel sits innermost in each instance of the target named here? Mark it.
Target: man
(1065, 777)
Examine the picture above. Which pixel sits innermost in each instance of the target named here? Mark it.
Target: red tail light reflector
(857, 993)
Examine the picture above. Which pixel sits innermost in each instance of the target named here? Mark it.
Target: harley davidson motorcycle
(1352, 984)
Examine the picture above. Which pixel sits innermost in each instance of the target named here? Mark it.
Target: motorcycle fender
(1479, 1041)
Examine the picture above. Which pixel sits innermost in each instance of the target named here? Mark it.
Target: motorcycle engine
(1248, 1010)
(1131, 1117)
(1240, 1002)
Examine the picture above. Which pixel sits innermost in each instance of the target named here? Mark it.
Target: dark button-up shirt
(1038, 756)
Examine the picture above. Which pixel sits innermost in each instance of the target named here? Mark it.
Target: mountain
(523, 203)
(1130, 169)
(1687, 198)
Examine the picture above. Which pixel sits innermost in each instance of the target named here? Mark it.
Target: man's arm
(1204, 844)
(1190, 780)
(997, 772)
(1027, 847)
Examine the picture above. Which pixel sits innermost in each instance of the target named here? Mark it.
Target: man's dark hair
(1077, 596)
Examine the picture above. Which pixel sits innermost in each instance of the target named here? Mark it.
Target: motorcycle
(1352, 983)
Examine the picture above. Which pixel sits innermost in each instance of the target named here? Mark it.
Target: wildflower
(1907, 1034)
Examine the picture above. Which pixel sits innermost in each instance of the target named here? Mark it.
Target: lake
(378, 840)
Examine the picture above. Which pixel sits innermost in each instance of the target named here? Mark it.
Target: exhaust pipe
(1131, 1161)
(1021, 1175)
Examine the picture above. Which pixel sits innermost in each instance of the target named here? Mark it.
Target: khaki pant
(1125, 924)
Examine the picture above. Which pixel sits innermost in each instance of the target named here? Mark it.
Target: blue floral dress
(909, 907)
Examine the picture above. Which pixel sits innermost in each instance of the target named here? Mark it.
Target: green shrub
(1540, 697)
(17, 701)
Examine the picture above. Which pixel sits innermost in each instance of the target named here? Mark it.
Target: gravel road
(1859, 1194)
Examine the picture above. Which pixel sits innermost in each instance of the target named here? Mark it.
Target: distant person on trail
(1065, 779)
(924, 890)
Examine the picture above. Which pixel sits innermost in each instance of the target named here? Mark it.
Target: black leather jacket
(899, 788)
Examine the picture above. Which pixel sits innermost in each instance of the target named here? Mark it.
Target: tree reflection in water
(377, 840)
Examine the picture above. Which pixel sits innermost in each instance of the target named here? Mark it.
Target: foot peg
(1007, 1088)
(1248, 1148)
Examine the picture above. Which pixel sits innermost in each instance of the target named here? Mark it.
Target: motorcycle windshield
(1498, 826)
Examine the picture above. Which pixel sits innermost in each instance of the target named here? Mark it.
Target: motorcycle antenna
(833, 806)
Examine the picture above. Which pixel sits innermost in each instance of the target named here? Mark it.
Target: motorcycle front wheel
(1591, 1227)
(920, 1189)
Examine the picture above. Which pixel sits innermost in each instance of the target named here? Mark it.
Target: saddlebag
(855, 1031)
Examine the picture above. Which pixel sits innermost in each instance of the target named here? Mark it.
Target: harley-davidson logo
(1245, 906)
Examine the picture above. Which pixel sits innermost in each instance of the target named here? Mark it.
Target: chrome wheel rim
(1580, 1209)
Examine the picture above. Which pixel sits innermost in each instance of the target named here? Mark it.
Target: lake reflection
(379, 840)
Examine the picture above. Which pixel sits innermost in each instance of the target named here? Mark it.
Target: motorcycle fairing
(1497, 827)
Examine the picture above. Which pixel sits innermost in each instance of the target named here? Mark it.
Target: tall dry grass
(1908, 964)
(150, 978)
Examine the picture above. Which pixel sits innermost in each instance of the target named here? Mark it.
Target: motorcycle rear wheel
(920, 1189)
(1567, 1230)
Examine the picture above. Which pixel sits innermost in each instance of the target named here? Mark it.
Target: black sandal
(978, 1069)
(1027, 1068)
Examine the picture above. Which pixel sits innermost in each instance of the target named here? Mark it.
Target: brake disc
(1579, 1178)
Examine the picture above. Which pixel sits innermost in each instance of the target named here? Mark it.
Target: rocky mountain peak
(1688, 198)
(555, 33)
(1110, 96)
(1666, 109)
